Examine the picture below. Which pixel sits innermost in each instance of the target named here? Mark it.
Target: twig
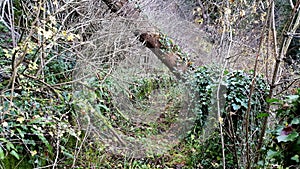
(44, 83)
(292, 4)
(12, 24)
(284, 47)
(82, 142)
(57, 153)
(219, 86)
(41, 41)
(17, 61)
(252, 87)
(234, 140)
(288, 86)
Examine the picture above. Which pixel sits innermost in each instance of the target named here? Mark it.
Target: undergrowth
(47, 121)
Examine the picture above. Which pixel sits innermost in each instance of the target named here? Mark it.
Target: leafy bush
(236, 90)
(36, 117)
(283, 147)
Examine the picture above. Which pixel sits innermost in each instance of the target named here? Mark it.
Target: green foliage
(34, 115)
(57, 70)
(99, 96)
(236, 89)
(235, 84)
(142, 88)
(38, 111)
(33, 128)
(168, 44)
(283, 144)
(202, 82)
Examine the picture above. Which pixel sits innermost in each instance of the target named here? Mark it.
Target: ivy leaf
(226, 72)
(9, 146)
(192, 136)
(262, 115)
(295, 158)
(235, 106)
(3, 140)
(295, 121)
(15, 154)
(22, 133)
(271, 154)
(244, 104)
(104, 107)
(45, 141)
(285, 138)
(1, 154)
(293, 97)
(68, 155)
(273, 100)
(282, 139)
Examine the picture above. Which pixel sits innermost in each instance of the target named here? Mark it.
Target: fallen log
(161, 45)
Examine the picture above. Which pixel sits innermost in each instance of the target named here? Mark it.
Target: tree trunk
(162, 46)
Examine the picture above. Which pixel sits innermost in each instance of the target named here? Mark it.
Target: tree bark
(163, 47)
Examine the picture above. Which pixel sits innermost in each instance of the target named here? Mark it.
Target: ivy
(235, 91)
(283, 146)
